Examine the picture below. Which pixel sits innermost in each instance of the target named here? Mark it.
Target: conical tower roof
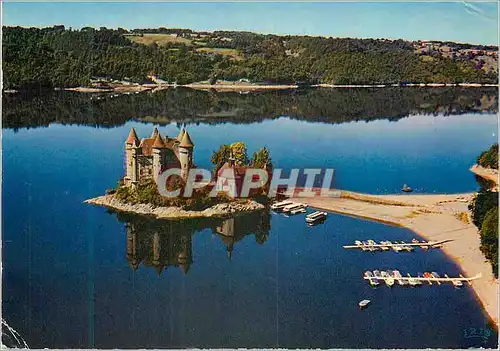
(158, 142)
(132, 137)
(186, 140)
(181, 134)
(155, 133)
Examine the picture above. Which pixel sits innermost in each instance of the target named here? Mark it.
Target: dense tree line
(57, 56)
(192, 106)
(484, 208)
(489, 159)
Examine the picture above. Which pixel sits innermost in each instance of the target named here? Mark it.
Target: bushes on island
(146, 192)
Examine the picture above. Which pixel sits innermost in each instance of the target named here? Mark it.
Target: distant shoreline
(264, 87)
(133, 88)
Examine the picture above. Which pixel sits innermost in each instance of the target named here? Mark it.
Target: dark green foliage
(261, 159)
(489, 159)
(482, 203)
(484, 208)
(221, 156)
(55, 56)
(146, 192)
(489, 238)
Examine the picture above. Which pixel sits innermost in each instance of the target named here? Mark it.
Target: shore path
(433, 217)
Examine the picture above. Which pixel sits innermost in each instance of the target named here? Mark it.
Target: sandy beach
(433, 217)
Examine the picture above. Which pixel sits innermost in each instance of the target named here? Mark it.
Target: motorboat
(435, 275)
(406, 189)
(399, 278)
(373, 281)
(364, 303)
(297, 211)
(457, 283)
(316, 217)
(397, 248)
(412, 281)
(277, 206)
(358, 243)
(293, 206)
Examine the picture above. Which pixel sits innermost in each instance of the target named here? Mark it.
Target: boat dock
(408, 278)
(372, 246)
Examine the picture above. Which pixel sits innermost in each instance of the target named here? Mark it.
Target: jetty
(387, 244)
(408, 278)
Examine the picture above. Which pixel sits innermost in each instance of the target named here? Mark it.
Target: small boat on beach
(364, 303)
(316, 217)
(406, 189)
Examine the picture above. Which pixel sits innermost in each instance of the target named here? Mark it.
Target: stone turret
(185, 153)
(131, 148)
(159, 149)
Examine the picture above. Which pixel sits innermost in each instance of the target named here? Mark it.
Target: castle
(147, 158)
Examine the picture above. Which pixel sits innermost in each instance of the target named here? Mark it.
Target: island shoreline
(220, 210)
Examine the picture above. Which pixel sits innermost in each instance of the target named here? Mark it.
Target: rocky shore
(219, 210)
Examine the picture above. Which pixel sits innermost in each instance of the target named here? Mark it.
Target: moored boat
(373, 281)
(363, 303)
(297, 210)
(457, 283)
(399, 278)
(293, 206)
(316, 217)
(406, 189)
(277, 206)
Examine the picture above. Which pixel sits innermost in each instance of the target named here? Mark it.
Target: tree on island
(236, 151)
(261, 158)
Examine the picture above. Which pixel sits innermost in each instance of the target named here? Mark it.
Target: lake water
(75, 275)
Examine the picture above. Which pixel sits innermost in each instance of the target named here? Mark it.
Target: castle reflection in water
(160, 244)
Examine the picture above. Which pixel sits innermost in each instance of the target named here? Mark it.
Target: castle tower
(185, 153)
(131, 147)
(159, 149)
(155, 133)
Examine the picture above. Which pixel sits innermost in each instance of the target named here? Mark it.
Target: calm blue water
(68, 277)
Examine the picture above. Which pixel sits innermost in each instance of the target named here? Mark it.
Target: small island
(145, 159)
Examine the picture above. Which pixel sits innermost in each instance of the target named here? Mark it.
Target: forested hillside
(60, 57)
